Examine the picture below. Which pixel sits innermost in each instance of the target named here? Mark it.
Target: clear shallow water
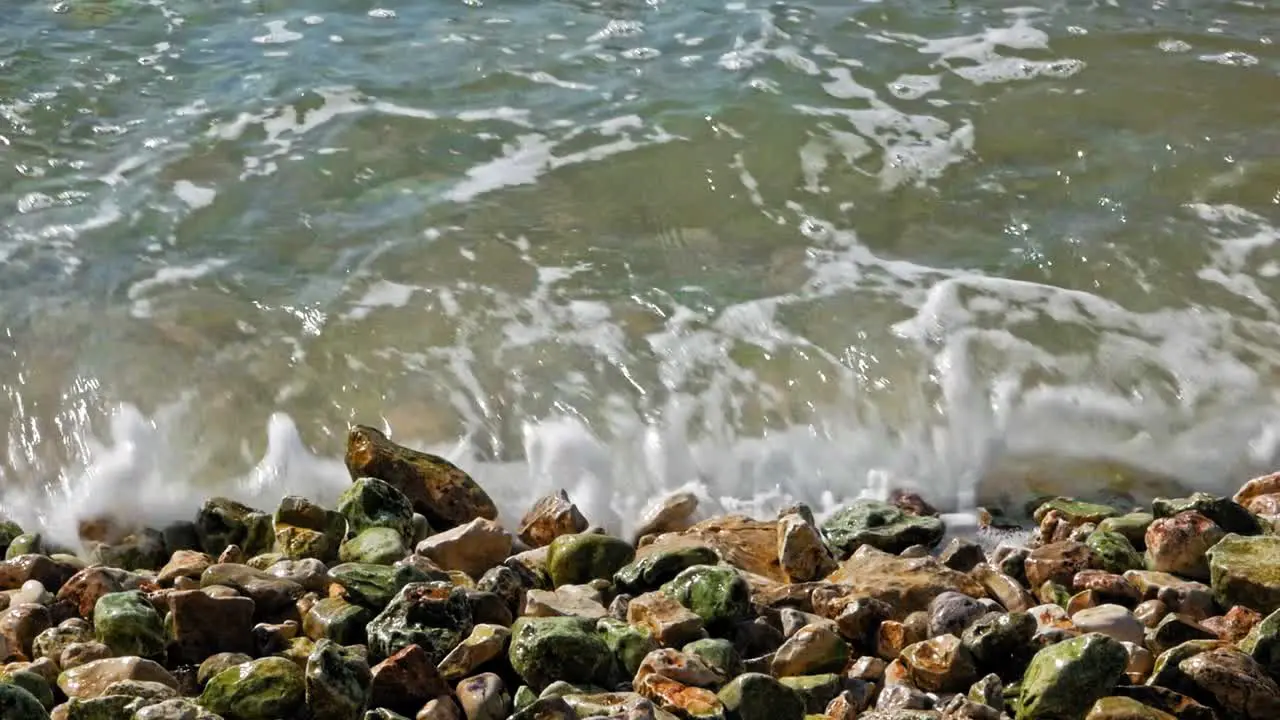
(770, 250)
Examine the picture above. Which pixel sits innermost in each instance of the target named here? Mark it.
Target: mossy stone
(579, 558)
(128, 623)
(271, 688)
(1065, 679)
(880, 525)
(544, 650)
(716, 593)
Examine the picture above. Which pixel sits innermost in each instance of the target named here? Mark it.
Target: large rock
(438, 489)
(221, 522)
(92, 679)
(433, 615)
(272, 688)
(128, 624)
(1246, 571)
(83, 589)
(1178, 544)
(544, 650)
(304, 529)
(1064, 680)
(1234, 682)
(337, 681)
(201, 625)
(581, 558)
(716, 593)
(473, 548)
(549, 518)
(907, 585)
(1001, 643)
(880, 525)
(18, 704)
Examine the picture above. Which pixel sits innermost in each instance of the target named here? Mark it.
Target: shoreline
(410, 600)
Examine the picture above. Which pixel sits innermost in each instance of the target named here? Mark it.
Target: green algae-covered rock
(582, 557)
(221, 522)
(26, 544)
(1263, 644)
(1075, 512)
(143, 550)
(433, 615)
(718, 654)
(1065, 679)
(880, 525)
(374, 546)
(1166, 672)
(756, 696)
(175, 709)
(656, 568)
(1246, 571)
(271, 688)
(303, 529)
(544, 650)
(1113, 552)
(716, 593)
(373, 586)
(816, 690)
(9, 531)
(1224, 512)
(372, 503)
(127, 623)
(33, 683)
(103, 707)
(338, 682)
(628, 643)
(1133, 526)
(18, 704)
(52, 641)
(338, 620)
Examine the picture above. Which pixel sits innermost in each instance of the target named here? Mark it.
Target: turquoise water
(770, 249)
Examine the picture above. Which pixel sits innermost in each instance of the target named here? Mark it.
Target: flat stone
(473, 547)
(670, 623)
(1112, 620)
(91, 679)
(906, 585)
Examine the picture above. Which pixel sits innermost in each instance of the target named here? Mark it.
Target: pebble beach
(413, 599)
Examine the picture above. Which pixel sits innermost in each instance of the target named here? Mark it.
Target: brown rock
(1257, 487)
(907, 585)
(672, 624)
(675, 665)
(184, 564)
(802, 554)
(575, 600)
(1006, 591)
(51, 574)
(1123, 708)
(405, 681)
(473, 547)
(856, 615)
(1182, 596)
(1235, 625)
(90, 679)
(750, 545)
(438, 489)
(85, 587)
(270, 594)
(892, 637)
(1110, 588)
(485, 643)
(1178, 544)
(679, 699)
(20, 624)
(549, 518)
(484, 697)
(813, 649)
(441, 708)
(673, 513)
(1058, 562)
(82, 653)
(203, 625)
(911, 503)
(939, 664)
(1235, 681)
